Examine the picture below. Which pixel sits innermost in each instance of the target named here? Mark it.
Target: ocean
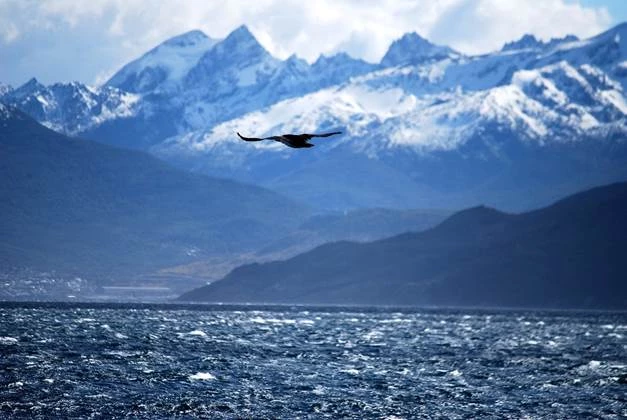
(160, 361)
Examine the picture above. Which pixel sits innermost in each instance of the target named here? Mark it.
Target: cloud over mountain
(108, 33)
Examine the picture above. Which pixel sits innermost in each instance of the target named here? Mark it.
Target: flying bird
(296, 141)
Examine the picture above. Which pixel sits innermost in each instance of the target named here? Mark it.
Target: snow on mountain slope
(163, 67)
(238, 61)
(338, 68)
(187, 83)
(606, 51)
(421, 96)
(412, 49)
(238, 76)
(554, 103)
(72, 107)
(5, 113)
(5, 89)
(426, 119)
(355, 108)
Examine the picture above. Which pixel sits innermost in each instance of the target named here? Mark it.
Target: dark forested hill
(572, 254)
(80, 207)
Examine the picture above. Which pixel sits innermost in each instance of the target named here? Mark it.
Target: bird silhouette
(297, 141)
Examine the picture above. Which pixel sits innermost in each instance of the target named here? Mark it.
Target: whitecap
(350, 371)
(81, 320)
(8, 340)
(455, 373)
(49, 381)
(96, 396)
(318, 390)
(198, 333)
(394, 321)
(371, 335)
(202, 376)
(122, 353)
(258, 320)
(594, 364)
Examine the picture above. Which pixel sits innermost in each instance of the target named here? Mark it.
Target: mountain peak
(567, 38)
(31, 84)
(295, 61)
(413, 37)
(339, 57)
(412, 48)
(241, 33)
(27, 88)
(186, 39)
(163, 66)
(527, 41)
(243, 41)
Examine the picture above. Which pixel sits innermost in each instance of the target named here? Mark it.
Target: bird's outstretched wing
(333, 133)
(250, 138)
(292, 140)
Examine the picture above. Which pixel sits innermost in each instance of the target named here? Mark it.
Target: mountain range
(568, 255)
(427, 127)
(74, 208)
(79, 207)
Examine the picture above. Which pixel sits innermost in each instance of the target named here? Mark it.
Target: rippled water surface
(155, 362)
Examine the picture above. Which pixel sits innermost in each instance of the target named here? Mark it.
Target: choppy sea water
(279, 362)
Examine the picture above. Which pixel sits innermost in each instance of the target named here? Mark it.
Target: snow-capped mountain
(187, 83)
(164, 67)
(412, 49)
(72, 108)
(427, 126)
(553, 103)
(238, 76)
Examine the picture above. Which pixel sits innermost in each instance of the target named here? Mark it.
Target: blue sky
(616, 8)
(65, 40)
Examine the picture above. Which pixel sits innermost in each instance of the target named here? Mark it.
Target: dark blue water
(155, 362)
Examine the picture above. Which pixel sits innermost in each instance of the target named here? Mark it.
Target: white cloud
(476, 26)
(9, 32)
(49, 38)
